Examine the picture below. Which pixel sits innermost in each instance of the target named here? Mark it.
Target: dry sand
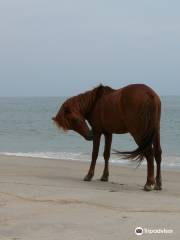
(47, 199)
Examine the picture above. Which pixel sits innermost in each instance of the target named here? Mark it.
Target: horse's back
(138, 90)
(133, 95)
(119, 110)
(136, 96)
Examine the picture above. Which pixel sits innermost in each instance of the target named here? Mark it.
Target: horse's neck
(87, 101)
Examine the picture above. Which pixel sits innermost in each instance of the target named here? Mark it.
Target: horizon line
(50, 96)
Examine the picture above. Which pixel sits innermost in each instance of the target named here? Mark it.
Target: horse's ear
(100, 86)
(99, 90)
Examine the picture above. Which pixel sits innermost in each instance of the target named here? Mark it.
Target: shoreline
(47, 199)
(117, 162)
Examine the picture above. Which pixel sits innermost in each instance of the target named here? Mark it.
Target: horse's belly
(114, 126)
(111, 119)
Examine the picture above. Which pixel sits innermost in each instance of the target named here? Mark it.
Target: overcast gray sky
(63, 47)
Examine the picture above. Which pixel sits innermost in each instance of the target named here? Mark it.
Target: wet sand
(47, 199)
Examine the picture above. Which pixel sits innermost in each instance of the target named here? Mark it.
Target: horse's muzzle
(89, 137)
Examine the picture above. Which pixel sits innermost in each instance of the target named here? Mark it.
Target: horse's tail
(148, 119)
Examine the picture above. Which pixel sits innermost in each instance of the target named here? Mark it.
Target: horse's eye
(67, 110)
(76, 120)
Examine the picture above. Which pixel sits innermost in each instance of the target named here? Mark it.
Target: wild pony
(133, 109)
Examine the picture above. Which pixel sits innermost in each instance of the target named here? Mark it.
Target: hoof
(104, 179)
(149, 187)
(87, 178)
(158, 187)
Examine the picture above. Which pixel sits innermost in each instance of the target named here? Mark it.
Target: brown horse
(133, 109)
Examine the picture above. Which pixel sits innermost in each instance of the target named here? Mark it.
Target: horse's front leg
(96, 143)
(107, 149)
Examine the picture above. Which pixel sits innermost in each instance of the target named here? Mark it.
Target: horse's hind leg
(150, 184)
(157, 154)
(96, 143)
(107, 148)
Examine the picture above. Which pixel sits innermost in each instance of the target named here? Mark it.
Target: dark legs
(152, 153)
(157, 155)
(96, 143)
(150, 170)
(107, 148)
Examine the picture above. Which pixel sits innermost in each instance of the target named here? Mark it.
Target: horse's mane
(85, 102)
(81, 104)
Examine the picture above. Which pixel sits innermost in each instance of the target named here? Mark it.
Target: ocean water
(26, 129)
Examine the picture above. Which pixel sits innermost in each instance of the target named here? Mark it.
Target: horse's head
(69, 118)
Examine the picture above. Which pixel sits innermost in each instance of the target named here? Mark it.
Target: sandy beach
(47, 199)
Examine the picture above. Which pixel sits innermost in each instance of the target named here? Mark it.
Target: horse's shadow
(112, 186)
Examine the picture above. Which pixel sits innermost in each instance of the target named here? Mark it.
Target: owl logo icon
(139, 231)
